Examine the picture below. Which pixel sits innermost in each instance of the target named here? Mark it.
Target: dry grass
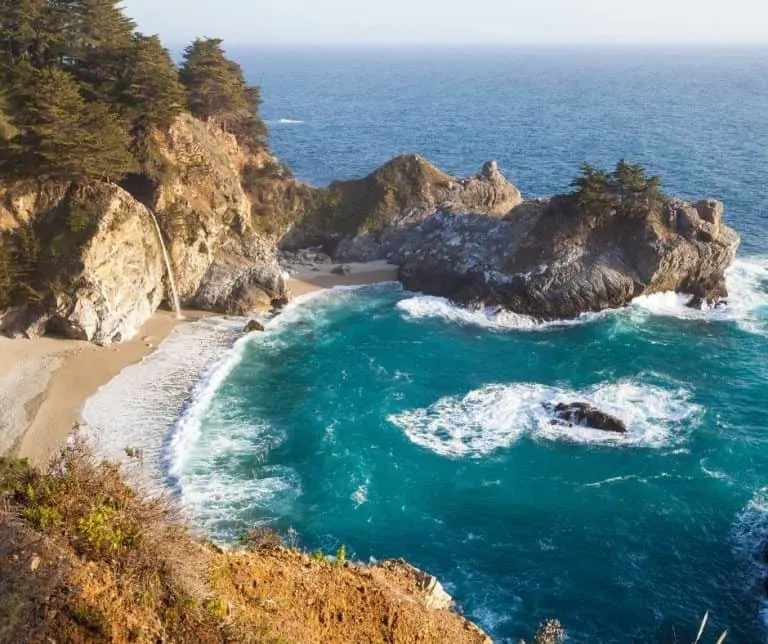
(86, 558)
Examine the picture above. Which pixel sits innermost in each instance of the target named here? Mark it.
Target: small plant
(216, 607)
(341, 555)
(318, 556)
(42, 517)
(257, 537)
(107, 533)
(91, 619)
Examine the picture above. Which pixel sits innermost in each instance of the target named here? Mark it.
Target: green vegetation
(83, 93)
(85, 99)
(627, 190)
(216, 88)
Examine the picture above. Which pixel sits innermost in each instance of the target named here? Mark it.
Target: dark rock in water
(279, 303)
(253, 325)
(344, 269)
(696, 302)
(579, 413)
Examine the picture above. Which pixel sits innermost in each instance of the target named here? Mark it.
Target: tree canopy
(82, 91)
(628, 190)
(216, 88)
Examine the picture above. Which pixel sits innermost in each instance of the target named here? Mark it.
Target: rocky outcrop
(579, 413)
(551, 259)
(408, 185)
(223, 209)
(96, 267)
(98, 276)
(222, 262)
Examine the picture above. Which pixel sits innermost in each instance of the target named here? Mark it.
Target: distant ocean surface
(399, 425)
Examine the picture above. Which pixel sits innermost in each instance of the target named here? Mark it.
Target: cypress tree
(216, 88)
(150, 93)
(61, 136)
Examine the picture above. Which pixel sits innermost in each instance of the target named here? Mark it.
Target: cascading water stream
(169, 268)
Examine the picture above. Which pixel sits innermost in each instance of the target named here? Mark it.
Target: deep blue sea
(401, 426)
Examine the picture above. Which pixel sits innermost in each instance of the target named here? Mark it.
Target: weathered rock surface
(549, 259)
(105, 285)
(221, 261)
(253, 326)
(109, 277)
(579, 413)
(406, 185)
(237, 285)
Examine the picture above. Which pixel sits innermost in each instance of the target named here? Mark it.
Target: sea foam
(747, 306)
(430, 307)
(139, 407)
(496, 416)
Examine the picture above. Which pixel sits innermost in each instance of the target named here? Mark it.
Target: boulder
(236, 285)
(343, 269)
(579, 413)
(253, 326)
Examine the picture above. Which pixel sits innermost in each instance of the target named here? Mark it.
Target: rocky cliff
(89, 263)
(88, 258)
(95, 269)
(555, 259)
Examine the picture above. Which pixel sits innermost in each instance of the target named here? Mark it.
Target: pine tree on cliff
(62, 136)
(29, 34)
(592, 187)
(150, 95)
(99, 36)
(217, 90)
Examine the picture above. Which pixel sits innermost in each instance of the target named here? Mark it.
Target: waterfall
(169, 268)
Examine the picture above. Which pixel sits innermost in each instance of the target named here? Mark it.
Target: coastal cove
(327, 427)
(386, 342)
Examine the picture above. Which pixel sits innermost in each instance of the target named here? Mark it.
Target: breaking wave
(496, 416)
(139, 407)
(495, 318)
(747, 306)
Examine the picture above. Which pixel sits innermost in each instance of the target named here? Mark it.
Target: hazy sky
(455, 21)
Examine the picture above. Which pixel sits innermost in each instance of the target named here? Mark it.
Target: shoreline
(45, 382)
(309, 278)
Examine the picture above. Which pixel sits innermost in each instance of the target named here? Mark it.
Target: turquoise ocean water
(399, 425)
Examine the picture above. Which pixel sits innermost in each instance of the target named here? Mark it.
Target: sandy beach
(45, 382)
(308, 278)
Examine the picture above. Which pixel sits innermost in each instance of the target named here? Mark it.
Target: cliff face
(98, 270)
(98, 276)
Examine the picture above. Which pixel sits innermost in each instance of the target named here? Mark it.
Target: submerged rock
(579, 413)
